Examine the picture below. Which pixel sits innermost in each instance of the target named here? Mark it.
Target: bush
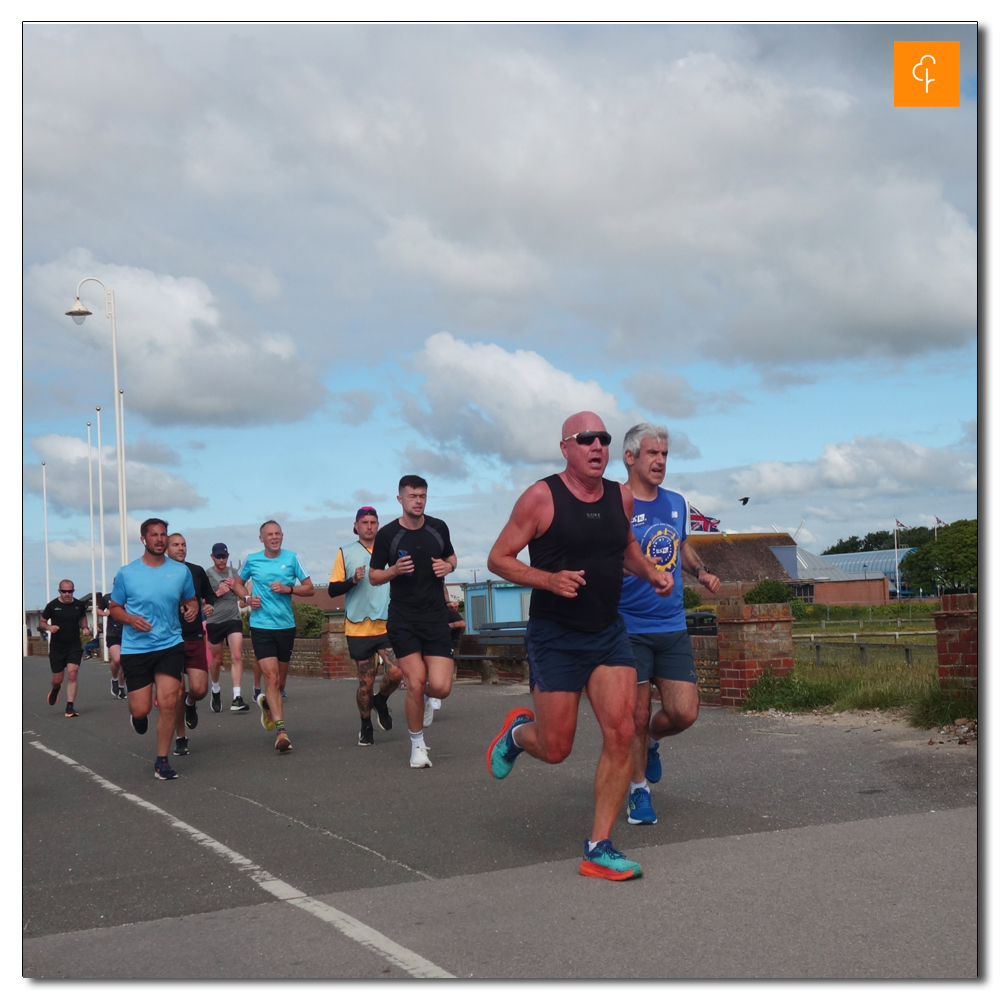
(800, 610)
(309, 620)
(769, 592)
(692, 599)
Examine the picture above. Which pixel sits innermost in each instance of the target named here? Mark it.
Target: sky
(345, 253)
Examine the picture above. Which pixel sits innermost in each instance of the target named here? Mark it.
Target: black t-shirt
(419, 596)
(203, 591)
(67, 617)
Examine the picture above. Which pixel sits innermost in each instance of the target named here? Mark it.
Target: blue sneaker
(606, 862)
(640, 808)
(654, 769)
(163, 770)
(502, 752)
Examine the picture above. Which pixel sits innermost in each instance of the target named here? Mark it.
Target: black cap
(219, 551)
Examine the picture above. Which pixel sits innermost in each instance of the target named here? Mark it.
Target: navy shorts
(562, 659)
(141, 668)
(273, 642)
(667, 655)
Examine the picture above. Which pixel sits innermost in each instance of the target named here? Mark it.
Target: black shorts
(114, 634)
(60, 658)
(217, 631)
(427, 638)
(141, 668)
(667, 655)
(562, 659)
(273, 642)
(364, 647)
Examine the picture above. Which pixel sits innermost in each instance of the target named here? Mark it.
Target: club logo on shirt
(660, 544)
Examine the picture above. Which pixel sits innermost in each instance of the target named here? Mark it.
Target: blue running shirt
(275, 610)
(660, 527)
(154, 593)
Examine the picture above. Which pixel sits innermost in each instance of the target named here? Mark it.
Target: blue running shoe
(606, 862)
(163, 770)
(654, 769)
(502, 752)
(640, 808)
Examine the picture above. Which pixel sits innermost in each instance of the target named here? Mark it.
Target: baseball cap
(364, 512)
(219, 551)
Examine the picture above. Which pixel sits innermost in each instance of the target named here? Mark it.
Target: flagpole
(895, 547)
(45, 527)
(93, 554)
(100, 504)
(121, 408)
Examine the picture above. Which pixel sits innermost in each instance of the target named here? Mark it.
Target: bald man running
(577, 526)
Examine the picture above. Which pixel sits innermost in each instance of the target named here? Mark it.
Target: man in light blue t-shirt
(657, 626)
(145, 599)
(274, 575)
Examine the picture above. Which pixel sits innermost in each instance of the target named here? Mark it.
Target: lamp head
(79, 312)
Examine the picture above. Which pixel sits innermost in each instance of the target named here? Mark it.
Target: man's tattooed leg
(366, 682)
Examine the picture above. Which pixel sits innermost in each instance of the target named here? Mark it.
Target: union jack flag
(899, 524)
(942, 524)
(699, 522)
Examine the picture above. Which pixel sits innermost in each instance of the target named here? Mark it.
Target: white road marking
(409, 961)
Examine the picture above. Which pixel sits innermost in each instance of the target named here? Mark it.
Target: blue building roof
(883, 561)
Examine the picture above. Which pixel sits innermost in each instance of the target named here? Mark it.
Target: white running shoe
(436, 702)
(428, 711)
(419, 758)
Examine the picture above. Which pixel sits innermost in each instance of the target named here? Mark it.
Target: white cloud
(674, 395)
(65, 457)
(863, 467)
(446, 465)
(181, 361)
(355, 406)
(504, 404)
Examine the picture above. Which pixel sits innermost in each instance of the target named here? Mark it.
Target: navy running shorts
(218, 631)
(667, 655)
(562, 659)
(364, 647)
(61, 657)
(426, 638)
(141, 668)
(273, 642)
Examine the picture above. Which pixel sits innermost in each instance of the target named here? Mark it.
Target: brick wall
(325, 656)
(957, 625)
(752, 638)
(706, 665)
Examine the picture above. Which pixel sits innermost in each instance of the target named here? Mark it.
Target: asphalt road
(786, 848)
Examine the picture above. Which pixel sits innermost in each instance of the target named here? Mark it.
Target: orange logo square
(926, 75)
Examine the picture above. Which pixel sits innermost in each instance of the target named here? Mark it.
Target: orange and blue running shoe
(503, 751)
(604, 861)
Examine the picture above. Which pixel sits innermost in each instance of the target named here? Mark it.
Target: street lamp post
(100, 504)
(79, 313)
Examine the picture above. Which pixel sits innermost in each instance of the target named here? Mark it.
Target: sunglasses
(70, 591)
(587, 438)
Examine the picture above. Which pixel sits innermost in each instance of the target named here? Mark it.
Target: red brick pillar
(337, 661)
(957, 625)
(752, 638)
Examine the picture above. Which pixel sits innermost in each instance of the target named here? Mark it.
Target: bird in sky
(744, 500)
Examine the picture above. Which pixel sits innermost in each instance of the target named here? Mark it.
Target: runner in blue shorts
(146, 598)
(657, 628)
(277, 574)
(576, 527)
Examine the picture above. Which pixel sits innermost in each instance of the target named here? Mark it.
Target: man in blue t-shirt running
(657, 627)
(277, 574)
(145, 599)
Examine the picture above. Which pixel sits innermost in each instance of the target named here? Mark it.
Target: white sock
(632, 786)
(513, 735)
(591, 844)
(236, 691)
(417, 739)
(216, 687)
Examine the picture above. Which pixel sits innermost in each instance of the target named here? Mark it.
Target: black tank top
(587, 536)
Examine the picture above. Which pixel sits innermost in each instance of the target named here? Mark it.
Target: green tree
(951, 562)
(692, 599)
(309, 619)
(879, 541)
(769, 592)
(852, 544)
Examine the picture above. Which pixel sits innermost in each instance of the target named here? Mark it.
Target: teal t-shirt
(154, 593)
(275, 610)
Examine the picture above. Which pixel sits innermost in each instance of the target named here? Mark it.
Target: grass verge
(884, 682)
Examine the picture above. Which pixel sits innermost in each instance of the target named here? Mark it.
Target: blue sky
(345, 253)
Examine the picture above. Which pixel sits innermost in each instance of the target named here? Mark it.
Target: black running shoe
(382, 716)
(239, 705)
(163, 770)
(190, 716)
(181, 748)
(122, 692)
(366, 737)
(139, 725)
(216, 701)
(53, 696)
(114, 688)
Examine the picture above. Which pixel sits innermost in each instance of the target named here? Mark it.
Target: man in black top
(577, 526)
(63, 618)
(417, 550)
(193, 634)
